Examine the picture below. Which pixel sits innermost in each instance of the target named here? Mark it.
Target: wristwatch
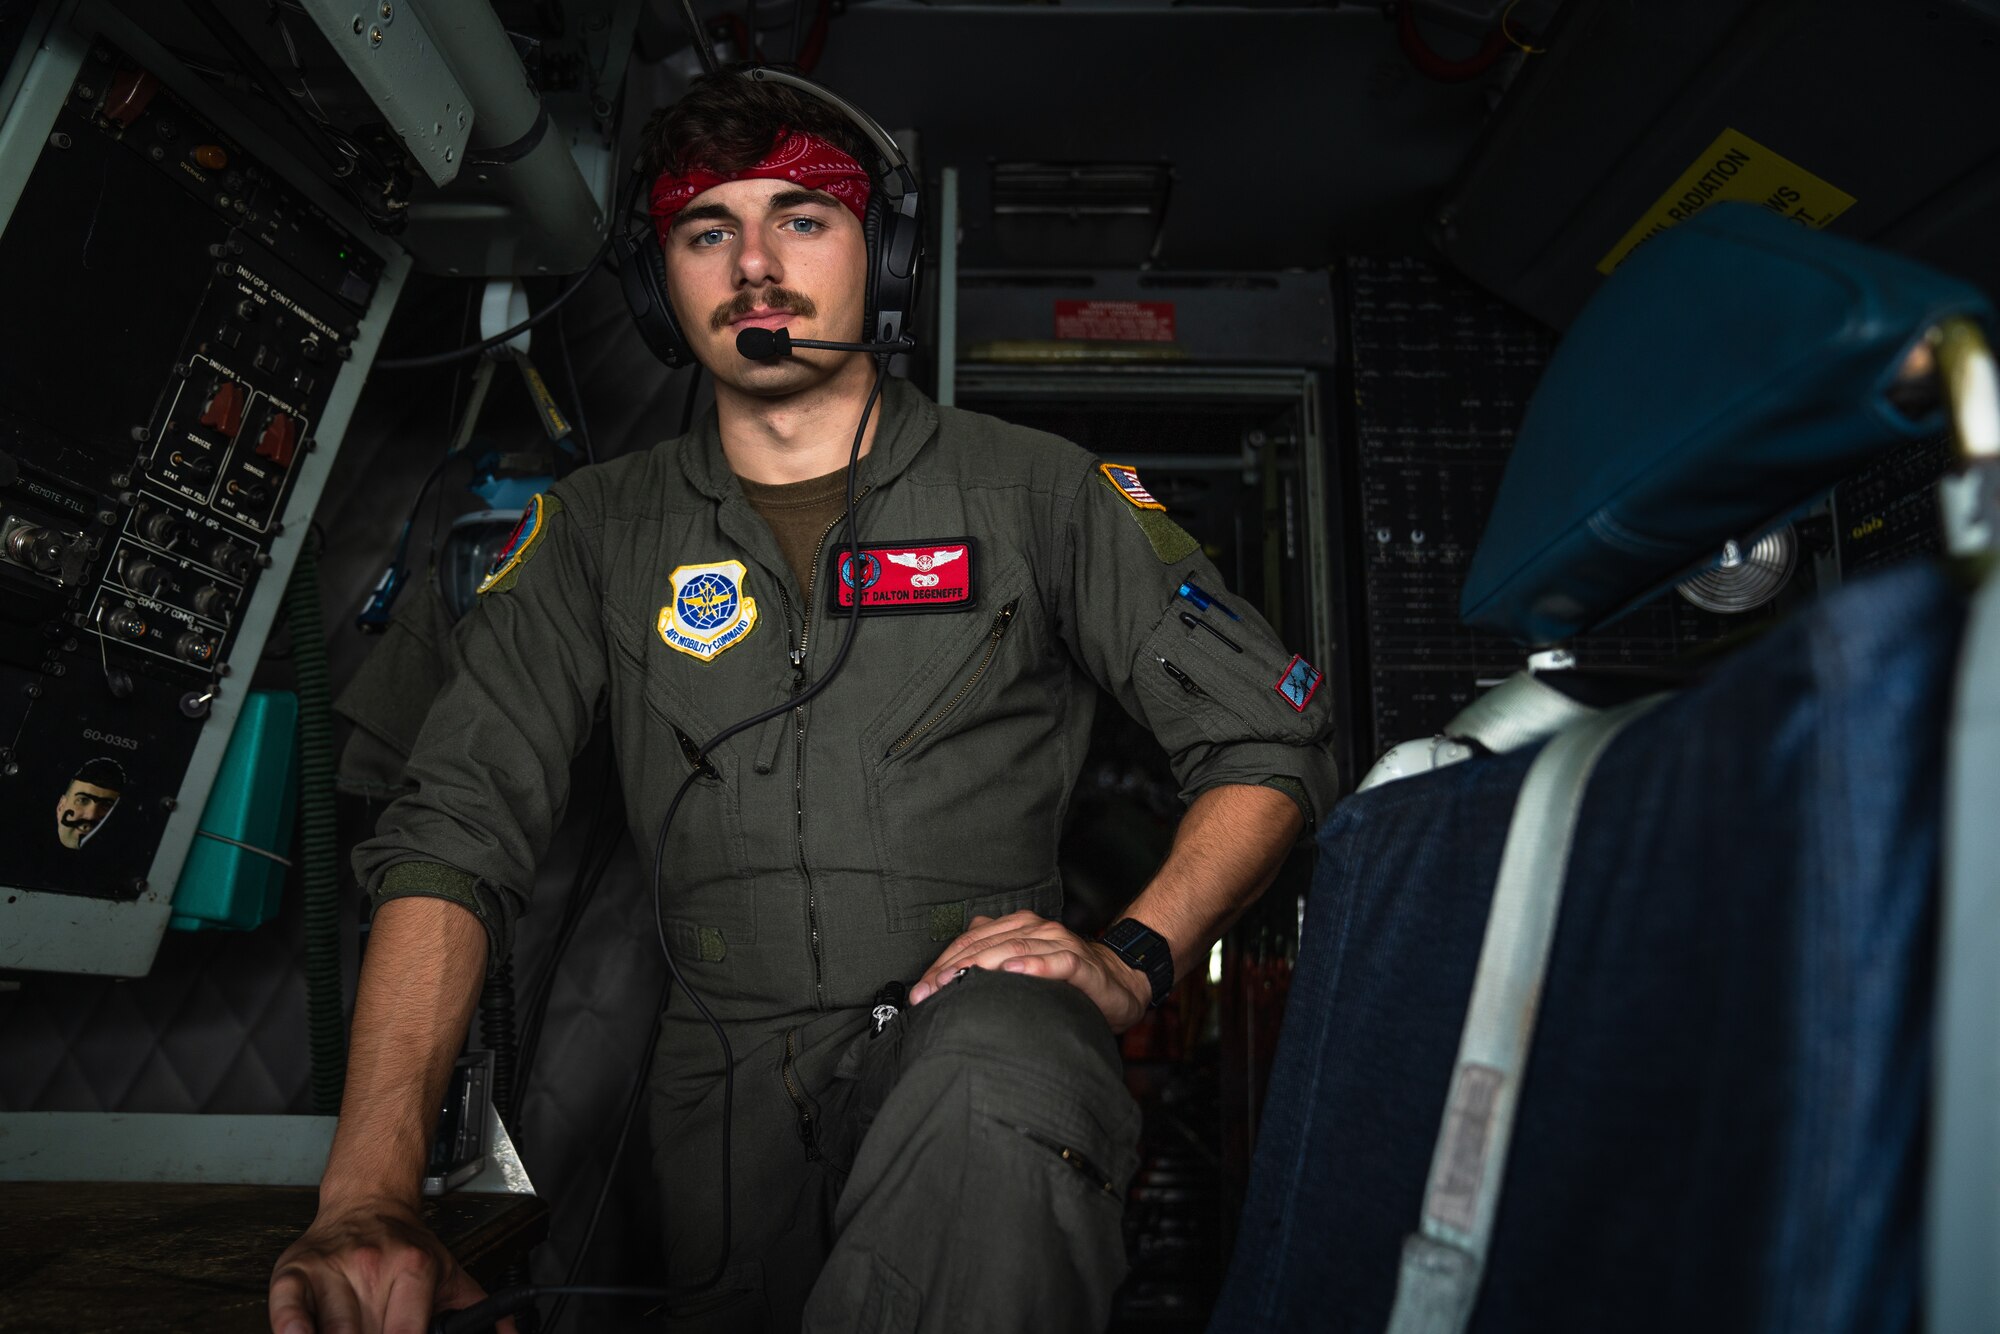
(1144, 949)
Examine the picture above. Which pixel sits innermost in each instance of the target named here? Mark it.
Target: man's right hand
(367, 1267)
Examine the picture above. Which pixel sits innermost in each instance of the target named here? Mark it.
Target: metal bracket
(392, 56)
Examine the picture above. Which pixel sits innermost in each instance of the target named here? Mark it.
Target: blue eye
(702, 239)
(811, 225)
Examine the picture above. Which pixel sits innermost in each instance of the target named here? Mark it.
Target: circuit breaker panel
(190, 321)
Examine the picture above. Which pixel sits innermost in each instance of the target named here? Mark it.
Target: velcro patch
(501, 574)
(1298, 683)
(1126, 482)
(709, 611)
(938, 574)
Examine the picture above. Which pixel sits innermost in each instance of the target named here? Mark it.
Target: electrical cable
(381, 212)
(575, 391)
(675, 976)
(1507, 31)
(632, 1100)
(319, 854)
(486, 1313)
(702, 48)
(592, 862)
(687, 404)
(1434, 66)
(555, 304)
(474, 349)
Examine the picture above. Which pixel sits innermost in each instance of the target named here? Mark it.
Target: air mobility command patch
(709, 611)
(506, 566)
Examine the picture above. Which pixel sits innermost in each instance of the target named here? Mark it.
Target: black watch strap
(1144, 949)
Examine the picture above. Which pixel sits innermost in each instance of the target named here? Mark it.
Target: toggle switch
(224, 412)
(280, 440)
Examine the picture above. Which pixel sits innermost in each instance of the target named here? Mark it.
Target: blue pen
(1203, 600)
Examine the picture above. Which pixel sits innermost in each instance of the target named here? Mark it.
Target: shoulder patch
(1298, 683)
(1125, 481)
(506, 566)
(1170, 542)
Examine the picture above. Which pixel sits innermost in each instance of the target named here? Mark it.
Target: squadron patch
(1126, 482)
(505, 569)
(934, 574)
(709, 611)
(1298, 683)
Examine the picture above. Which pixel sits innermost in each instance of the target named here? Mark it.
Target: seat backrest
(1728, 374)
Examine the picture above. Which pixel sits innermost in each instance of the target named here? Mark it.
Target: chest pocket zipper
(994, 635)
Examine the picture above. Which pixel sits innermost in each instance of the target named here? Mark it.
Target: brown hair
(725, 122)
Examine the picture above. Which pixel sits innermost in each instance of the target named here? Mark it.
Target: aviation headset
(892, 228)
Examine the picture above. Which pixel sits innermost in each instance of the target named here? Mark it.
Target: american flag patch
(1129, 486)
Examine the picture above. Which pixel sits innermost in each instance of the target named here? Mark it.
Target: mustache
(770, 299)
(71, 820)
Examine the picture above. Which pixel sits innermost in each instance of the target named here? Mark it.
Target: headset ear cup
(895, 270)
(643, 277)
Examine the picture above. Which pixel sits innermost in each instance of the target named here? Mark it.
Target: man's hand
(367, 1267)
(1025, 943)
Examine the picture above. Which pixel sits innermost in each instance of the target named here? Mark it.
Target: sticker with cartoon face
(88, 801)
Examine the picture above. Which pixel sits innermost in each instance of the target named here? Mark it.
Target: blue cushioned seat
(1730, 372)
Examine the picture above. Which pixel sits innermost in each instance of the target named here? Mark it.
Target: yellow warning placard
(1735, 166)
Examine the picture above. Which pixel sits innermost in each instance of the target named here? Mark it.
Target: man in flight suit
(965, 1168)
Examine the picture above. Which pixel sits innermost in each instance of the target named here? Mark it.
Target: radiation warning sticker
(520, 545)
(709, 611)
(1735, 166)
(1127, 482)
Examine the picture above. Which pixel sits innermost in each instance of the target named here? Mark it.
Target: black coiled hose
(496, 1030)
(318, 839)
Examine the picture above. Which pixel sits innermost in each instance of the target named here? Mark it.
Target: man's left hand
(1023, 942)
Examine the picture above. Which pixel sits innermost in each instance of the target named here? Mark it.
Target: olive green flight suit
(918, 1178)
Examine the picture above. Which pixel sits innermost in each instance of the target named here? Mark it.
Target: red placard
(1116, 321)
(932, 575)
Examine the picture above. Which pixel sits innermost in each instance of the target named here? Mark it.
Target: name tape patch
(1298, 683)
(1126, 480)
(709, 611)
(936, 574)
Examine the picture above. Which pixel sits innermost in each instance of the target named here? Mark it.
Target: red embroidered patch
(937, 575)
(1298, 683)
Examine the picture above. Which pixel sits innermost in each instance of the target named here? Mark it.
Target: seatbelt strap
(1443, 1263)
(1962, 1203)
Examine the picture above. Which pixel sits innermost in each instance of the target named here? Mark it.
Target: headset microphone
(770, 344)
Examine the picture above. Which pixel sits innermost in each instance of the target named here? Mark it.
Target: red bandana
(810, 161)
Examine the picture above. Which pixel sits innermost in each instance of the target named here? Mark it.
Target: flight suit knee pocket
(859, 1291)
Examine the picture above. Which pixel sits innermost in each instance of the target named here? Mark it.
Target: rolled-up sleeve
(1260, 716)
(491, 767)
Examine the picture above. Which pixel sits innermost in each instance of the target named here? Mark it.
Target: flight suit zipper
(799, 754)
(994, 634)
(808, 1136)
